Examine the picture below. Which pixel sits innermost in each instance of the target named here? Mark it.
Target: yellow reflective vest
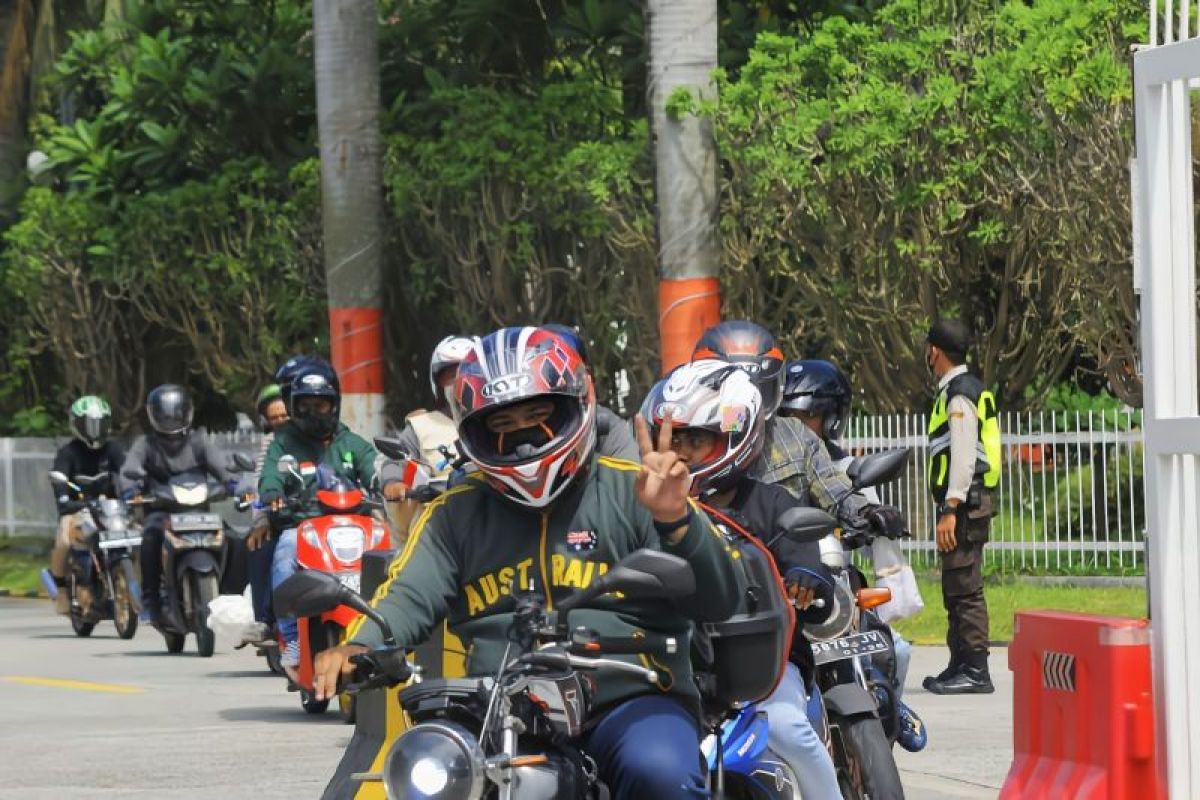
(987, 450)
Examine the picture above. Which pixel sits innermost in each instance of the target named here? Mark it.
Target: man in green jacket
(545, 513)
(315, 437)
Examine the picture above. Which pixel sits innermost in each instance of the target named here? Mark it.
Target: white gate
(1164, 271)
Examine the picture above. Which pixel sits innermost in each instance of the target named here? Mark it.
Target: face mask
(523, 443)
(317, 426)
(173, 442)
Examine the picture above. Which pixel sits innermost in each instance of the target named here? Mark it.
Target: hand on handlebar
(257, 537)
(331, 665)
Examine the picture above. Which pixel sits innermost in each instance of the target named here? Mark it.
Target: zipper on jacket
(542, 563)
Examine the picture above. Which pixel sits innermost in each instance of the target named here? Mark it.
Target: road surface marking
(85, 686)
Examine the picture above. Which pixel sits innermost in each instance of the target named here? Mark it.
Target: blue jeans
(792, 737)
(903, 656)
(260, 562)
(284, 566)
(648, 747)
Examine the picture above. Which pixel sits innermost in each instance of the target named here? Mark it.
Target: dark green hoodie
(470, 547)
(346, 453)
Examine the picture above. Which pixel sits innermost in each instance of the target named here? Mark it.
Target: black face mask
(173, 443)
(315, 425)
(523, 443)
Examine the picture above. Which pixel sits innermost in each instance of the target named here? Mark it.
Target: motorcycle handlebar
(383, 669)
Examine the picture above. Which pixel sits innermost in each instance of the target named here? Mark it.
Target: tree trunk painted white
(683, 53)
(346, 42)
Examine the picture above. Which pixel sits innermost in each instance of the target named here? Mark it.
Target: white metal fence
(1070, 497)
(26, 502)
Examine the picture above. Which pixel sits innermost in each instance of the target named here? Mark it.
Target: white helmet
(716, 396)
(449, 353)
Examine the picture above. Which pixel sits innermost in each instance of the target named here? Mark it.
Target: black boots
(961, 680)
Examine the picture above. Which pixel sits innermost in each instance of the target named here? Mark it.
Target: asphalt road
(102, 717)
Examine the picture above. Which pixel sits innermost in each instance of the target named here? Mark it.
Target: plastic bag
(230, 616)
(893, 572)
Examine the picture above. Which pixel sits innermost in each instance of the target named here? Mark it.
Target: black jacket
(75, 459)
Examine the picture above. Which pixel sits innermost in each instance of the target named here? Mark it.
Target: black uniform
(75, 459)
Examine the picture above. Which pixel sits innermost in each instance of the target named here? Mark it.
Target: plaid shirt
(796, 458)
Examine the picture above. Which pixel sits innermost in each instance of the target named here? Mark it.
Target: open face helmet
(448, 354)
(818, 387)
(533, 465)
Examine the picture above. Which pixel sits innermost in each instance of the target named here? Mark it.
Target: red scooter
(334, 543)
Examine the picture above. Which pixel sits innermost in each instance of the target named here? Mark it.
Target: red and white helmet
(515, 365)
(449, 353)
(716, 396)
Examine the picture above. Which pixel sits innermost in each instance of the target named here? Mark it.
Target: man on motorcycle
(818, 394)
(90, 452)
(170, 448)
(545, 513)
(720, 436)
(272, 414)
(314, 435)
(794, 456)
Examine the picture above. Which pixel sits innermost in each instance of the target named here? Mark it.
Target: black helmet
(751, 347)
(315, 381)
(287, 372)
(169, 409)
(818, 387)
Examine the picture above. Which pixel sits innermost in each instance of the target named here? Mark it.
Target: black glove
(886, 521)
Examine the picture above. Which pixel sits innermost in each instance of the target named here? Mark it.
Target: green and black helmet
(91, 420)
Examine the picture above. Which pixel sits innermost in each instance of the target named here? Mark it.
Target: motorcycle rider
(793, 456)
(545, 511)
(272, 414)
(169, 448)
(314, 435)
(720, 436)
(818, 394)
(90, 452)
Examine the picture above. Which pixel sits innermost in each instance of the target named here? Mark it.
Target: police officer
(964, 470)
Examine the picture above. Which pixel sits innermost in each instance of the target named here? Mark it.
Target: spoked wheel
(869, 772)
(82, 624)
(204, 591)
(125, 613)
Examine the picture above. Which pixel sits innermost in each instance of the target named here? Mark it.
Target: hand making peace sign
(663, 484)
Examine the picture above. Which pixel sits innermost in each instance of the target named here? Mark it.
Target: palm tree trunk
(345, 34)
(16, 34)
(683, 54)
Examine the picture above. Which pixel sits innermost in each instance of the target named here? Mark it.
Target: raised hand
(664, 482)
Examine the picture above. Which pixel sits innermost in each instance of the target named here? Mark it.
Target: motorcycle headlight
(434, 761)
(345, 542)
(841, 615)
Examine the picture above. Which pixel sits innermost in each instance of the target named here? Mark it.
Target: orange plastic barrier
(1083, 713)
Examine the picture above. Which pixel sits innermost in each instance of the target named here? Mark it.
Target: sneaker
(290, 655)
(941, 676)
(911, 733)
(968, 680)
(257, 634)
(152, 612)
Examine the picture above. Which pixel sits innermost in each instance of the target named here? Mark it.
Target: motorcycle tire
(82, 626)
(125, 615)
(311, 704)
(204, 591)
(174, 641)
(271, 654)
(870, 771)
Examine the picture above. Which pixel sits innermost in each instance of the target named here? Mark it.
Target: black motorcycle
(102, 579)
(195, 552)
(856, 661)
(505, 737)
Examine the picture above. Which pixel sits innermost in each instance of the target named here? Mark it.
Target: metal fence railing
(26, 503)
(1070, 497)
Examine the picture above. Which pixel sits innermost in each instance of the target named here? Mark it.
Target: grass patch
(1006, 597)
(20, 565)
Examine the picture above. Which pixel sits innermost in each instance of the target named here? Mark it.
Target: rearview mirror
(642, 573)
(803, 525)
(391, 447)
(242, 462)
(55, 475)
(308, 593)
(879, 468)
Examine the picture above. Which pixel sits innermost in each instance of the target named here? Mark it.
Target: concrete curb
(1084, 581)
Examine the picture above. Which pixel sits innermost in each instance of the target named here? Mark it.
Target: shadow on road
(72, 636)
(276, 714)
(244, 673)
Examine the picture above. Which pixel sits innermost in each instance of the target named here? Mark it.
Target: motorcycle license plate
(858, 644)
(195, 522)
(352, 581)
